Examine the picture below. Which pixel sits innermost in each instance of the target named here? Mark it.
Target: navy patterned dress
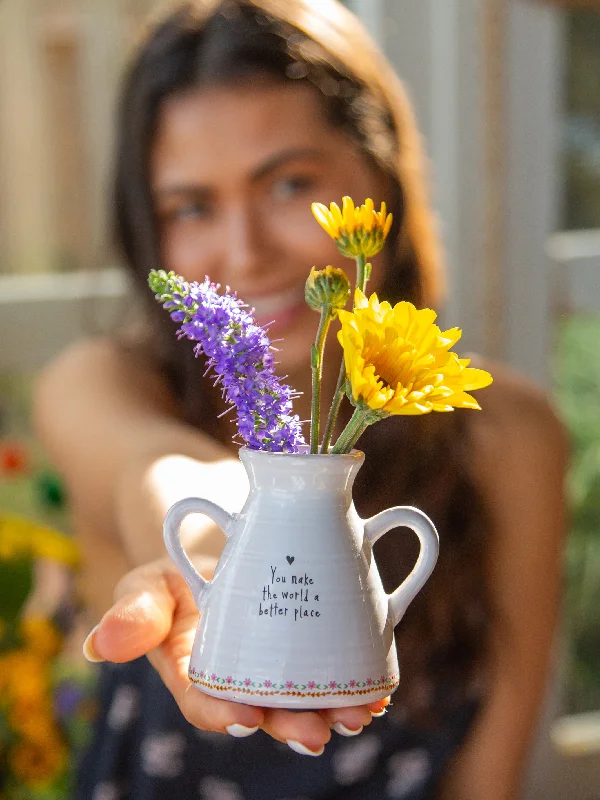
(143, 749)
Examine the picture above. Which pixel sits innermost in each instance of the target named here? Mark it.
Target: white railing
(576, 276)
(41, 314)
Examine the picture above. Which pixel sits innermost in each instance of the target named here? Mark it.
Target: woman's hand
(154, 614)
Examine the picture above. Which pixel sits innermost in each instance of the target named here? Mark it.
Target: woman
(235, 116)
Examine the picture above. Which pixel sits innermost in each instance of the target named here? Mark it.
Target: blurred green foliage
(577, 391)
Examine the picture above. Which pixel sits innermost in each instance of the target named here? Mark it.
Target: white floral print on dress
(354, 760)
(124, 707)
(214, 788)
(408, 771)
(107, 790)
(162, 755)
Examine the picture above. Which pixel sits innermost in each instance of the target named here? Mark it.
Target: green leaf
(16, 581)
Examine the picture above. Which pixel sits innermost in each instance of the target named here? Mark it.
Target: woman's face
(233, 174)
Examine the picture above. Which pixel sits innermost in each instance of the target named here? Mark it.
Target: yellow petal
(368, 218)
(449, 338)
(388, 225)
(360, 300)
(471, 379)
(395, 405)
(462, 400)
(415, 409)
(441, 407)
(323, 217)
(348, 213)
(336, 215)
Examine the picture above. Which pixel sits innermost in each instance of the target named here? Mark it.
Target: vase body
(296, 615)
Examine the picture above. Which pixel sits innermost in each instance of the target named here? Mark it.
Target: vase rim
(354, 454)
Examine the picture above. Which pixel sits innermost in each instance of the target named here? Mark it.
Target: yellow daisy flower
(398, 360)
(358, 231)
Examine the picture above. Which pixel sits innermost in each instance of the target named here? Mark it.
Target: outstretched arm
(111, 427)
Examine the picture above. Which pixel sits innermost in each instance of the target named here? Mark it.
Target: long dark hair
(422, 462)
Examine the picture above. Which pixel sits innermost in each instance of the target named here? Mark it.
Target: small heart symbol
(290, 559)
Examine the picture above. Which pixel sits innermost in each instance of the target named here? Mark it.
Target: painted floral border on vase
(268, 688)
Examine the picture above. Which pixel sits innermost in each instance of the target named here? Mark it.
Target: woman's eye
(287, 188)
(189, 211)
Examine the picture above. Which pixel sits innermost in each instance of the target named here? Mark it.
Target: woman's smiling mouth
(280, 308)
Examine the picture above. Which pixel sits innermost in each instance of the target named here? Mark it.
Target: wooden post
(102, 37)
(25, 168)
(496, 127)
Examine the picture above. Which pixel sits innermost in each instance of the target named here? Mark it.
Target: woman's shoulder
(515, 407)
(517, 437)
(87, 354)
(99, 369)
(103, 358)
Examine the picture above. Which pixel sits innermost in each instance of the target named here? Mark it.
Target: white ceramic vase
(295, 615)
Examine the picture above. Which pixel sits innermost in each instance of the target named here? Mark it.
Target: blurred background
(507, 93)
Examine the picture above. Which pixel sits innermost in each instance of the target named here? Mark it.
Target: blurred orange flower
(41, 636)
(37, 763)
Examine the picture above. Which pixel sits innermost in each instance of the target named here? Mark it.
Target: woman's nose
(244, 248)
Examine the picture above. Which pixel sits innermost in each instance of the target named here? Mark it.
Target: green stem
(317, 375)
(361, 276)
(353, 430)
(338, 395)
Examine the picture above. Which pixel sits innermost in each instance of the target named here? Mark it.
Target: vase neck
(301, 472)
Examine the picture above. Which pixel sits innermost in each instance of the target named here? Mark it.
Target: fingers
(154, 614)
(141, 616)
(379, 708)
(347, 721)
(212, 714)
(351, 721)
(306, 733)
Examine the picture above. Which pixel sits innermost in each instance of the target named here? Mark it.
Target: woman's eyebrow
(187, 189)
(270, 164)
(282, 157)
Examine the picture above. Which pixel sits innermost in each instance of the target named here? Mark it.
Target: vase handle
(171, 527)
(416, 520)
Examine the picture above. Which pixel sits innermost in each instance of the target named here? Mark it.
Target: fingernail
(239, 731)
(298, 747)
(338, 727)
(88, 647)
(379, 713)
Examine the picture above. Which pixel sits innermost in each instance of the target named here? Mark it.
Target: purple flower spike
(239, 352)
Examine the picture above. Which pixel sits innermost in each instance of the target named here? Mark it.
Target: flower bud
(327, 287)
(159, 281)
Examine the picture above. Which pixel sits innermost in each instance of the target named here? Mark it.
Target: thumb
(141, 616)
